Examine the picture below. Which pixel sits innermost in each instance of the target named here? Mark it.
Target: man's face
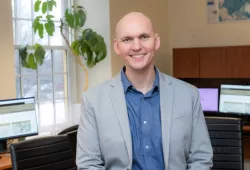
(136, 43)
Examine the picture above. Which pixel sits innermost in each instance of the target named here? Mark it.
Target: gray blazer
(104, 139)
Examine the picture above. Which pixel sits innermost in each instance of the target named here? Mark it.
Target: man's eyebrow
(125, 37)
(141, 35)
(144, 34)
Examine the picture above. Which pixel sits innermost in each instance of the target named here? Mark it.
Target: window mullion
(53, 89)
(16, 25)
(32, 19)
(38, 96)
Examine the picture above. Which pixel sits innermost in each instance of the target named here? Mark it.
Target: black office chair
(72, 134)
(73, 141)
(69, 129)
(47, 153)
(226, 138)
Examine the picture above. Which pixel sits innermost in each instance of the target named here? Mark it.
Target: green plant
(90, 45)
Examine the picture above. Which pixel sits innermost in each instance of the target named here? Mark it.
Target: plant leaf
(39, 54)
(51, 3)
(100, 48)
(23, 52)
(25, 64)
(37, 5)
(44, 7)
(90, 58)
(76, 19)
(69, 18)
(86, 34)
(91, 41)
(50, 27)
(31, 61)
(75, 46)
(36, 23)
(82, 48)
(50, 16)
(82, 17)
(40, 30)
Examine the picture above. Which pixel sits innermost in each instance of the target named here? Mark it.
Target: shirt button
(145, 122)
(142, 99)
(147, 147)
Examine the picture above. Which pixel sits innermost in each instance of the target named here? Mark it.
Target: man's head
(136, 41)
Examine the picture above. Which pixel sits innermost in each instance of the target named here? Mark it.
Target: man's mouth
(137, 56)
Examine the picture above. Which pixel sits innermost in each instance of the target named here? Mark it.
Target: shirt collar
(126, 83)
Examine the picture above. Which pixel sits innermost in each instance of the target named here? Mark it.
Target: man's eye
(126, 40)
(144, 37)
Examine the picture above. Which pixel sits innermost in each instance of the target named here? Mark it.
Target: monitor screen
(234, 99)
(18, 118)
(209, 99)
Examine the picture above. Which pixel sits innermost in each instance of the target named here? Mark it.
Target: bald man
(142, 119)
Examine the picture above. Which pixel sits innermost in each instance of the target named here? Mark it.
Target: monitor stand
(3, 146)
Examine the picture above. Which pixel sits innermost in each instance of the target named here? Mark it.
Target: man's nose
(136, 45)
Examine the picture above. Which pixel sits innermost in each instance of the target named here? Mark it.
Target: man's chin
(139, 67)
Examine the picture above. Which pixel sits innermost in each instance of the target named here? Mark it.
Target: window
(49, 83)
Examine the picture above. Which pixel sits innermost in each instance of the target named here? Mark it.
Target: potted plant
(89, 45)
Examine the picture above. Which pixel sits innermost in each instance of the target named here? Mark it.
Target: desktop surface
(5, 161)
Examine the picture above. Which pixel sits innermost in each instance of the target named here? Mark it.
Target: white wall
(98, 20)
(188, 27)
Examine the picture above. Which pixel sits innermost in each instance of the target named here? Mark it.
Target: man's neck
(142, 80)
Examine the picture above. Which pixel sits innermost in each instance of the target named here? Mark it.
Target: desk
(246, 141)
(246, 128)
(5, 161)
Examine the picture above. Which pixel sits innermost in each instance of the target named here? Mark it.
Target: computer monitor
(209, 99)
(17, 119)
(235, 99)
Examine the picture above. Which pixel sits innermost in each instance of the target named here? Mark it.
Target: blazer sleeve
(201, 152)
(88, 154)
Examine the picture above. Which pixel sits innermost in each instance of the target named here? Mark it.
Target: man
(142, 119)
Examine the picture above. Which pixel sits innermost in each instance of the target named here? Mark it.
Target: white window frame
(55, 127)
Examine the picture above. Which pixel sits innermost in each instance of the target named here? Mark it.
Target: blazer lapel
(119, 104)
(166, 103)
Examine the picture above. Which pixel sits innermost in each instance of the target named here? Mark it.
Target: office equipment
(52, 152)
(235, 99)
(209, 99)
(226, 138)
(17, 119)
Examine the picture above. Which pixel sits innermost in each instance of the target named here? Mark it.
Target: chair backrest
(69, 129)
(73, 141)
(46, 153)
(226, 138)
(72, 134)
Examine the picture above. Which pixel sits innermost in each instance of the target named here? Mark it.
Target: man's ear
(116, 47)
(157, 41)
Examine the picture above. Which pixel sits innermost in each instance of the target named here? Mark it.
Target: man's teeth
(138, 55)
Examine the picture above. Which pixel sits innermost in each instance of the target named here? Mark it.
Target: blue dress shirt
(145, 125)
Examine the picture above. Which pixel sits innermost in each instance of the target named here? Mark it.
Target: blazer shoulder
(100, 90)
(181, 85)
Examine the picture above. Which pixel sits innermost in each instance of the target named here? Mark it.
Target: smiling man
(142, 119)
